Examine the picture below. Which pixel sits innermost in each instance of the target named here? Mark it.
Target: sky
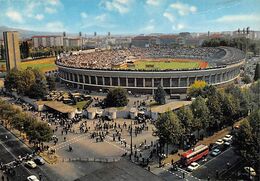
(130, 16)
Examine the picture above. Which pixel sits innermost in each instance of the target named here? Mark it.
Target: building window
(114, 81)
(93, 79)
(122, 81)
(131, 82)
(107, 80)
(100, 80)
(148, 82)
(157, 82)
(86, 79)
(139, 82)
(166, 82)
(175, 82)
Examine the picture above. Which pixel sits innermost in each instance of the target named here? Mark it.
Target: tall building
(12, 49)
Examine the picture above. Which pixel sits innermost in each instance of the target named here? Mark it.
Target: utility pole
(131, 138)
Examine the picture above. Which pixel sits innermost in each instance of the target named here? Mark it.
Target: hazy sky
(130, 16)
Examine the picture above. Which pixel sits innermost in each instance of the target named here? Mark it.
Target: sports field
(164, 64)
(45, 64)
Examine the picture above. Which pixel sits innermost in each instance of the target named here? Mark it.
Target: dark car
(39, 160)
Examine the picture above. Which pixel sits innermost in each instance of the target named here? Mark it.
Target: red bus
(194, 154)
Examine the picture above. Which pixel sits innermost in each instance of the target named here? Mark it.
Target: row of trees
(210, 111)
(247, 140)
(14, 117)
(29, 82)
(241, 43)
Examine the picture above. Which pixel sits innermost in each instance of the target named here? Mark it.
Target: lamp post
(131, 134)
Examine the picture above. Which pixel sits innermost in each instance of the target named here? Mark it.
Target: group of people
(108, 58)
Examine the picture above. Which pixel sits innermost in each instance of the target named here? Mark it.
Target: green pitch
(162, 65)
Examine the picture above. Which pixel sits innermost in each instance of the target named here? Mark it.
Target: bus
(194, 154)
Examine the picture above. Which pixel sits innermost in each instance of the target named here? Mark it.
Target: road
(216, 164)
(11, 147)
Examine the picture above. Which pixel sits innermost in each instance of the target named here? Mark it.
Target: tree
(201, 113)
(169, 128)
(257, 72)
(214, 106)
(242, 96)
(246, 79)
(247, 139)
(11, 79)
(186, 118)
(2, 48)
(197, 88)
(116, 98)
(25, 81)
(230, 107)
(29, 82)
(51, 82)
(159, 95)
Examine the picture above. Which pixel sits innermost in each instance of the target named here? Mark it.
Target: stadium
(142, 70)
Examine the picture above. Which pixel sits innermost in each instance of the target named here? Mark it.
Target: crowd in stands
(106, 59)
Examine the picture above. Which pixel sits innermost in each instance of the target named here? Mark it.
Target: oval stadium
(142, 70)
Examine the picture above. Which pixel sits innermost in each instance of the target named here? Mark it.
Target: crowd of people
(107, 59)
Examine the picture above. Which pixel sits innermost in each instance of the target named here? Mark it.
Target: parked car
(219, 142)
(216, 152)
(227, 144)
(30, 164)
(32, 178)
(193, 166)
(39, 160)
(250, 171)
(227, 138)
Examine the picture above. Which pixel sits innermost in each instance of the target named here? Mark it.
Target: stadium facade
(225, 70)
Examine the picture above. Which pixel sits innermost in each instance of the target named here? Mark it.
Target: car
(216, 152)
(227, 144)
(30, 164)
(193, 166)
(219, 142)
(39, 160)
(32, 178)
(227, 138)
(250, 171)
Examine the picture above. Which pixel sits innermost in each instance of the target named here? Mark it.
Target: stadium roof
(60, 107)
(170, 106)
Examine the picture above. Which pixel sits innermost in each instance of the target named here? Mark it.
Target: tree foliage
(186, 118)
(169, 128)
(24, 122)
(198, 88)
(159, 95)
(241, 43)
(257, 72)
(29, 82)
(116, 98)
(247, 139)
(51, 82)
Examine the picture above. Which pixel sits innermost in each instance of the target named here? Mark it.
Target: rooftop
(170, 106)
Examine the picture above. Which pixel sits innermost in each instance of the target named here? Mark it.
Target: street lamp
(131, 134)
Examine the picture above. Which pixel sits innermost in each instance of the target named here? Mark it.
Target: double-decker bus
(194, 154)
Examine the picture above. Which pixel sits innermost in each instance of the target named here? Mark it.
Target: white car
(30, 164)
(32, 178)
(250, 170)
(227, 138)
(193, 166)
(219, 142)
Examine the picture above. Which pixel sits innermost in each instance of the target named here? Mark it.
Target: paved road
(11, 148)
(214, 164)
